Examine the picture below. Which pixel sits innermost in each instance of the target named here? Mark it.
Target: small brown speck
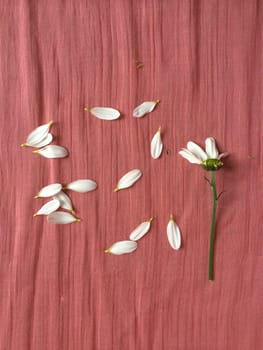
(138, 64)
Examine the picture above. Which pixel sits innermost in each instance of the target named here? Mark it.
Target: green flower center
(212, 164)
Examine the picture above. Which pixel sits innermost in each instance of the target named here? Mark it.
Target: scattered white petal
(52, 151)
(49, 190)
(128, 179)
(189, 156)
(61, 217)
(65, 201)
(173, 234)
(141, 230)
(105, 113)
(82, 185)
(45, 141)
(48, 208)
(156, 145)
(196, 150)
(37, 135)
(122, 247)
(144, 108)
(210, 147)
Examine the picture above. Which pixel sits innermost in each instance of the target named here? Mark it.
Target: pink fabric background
(203, 60)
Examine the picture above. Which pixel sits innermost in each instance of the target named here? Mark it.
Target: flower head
(210, 159)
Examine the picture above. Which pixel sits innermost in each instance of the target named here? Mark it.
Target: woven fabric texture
(203, 59)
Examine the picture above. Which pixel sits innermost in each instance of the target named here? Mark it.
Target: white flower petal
(223, 155)
(128, 179)
(141, 230)
(189, 156)
(210, 147)
(105, 113)
(52, 151)
(122, 247)
(64, 200)
(156, 145)
(45, 141)
(37, 135)
(196, 150)
(48, 208)
(82, 185)
(144, 108)
(61, 217)
(49, 190)
(173, 234)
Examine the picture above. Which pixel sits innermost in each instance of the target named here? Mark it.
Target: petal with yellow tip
(48, 208)
(122, 247)
(52, 151)
(38, 135)
(144, 108)
(49, 190)
(61, 217)
(64, 200)
(128, 179)
(156, 145)
(173, 234)
(105, 113)
(140, 230)
(82, 185)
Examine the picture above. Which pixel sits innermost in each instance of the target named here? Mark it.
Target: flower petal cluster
(129, 246)
(62, 200)
(41, 138)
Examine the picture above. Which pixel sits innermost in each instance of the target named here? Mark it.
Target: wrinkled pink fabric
(203, 59)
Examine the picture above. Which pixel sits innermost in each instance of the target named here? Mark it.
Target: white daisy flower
(210, 159)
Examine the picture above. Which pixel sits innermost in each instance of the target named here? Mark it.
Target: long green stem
(212, 228)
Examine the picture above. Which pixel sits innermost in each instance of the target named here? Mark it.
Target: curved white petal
(128, 179)
(37, 135)
(210, 147)
(140, 230)
(48, 208)
(49, 190)
(196, 150)
(82, 185)
(223, 155)
(156, 145)
(61, 217)
(105, 113)
(144, 108)
(64, 200)
(45, 141)
(190, 156)
(173, 234)
(52, 151)
(122, 247)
